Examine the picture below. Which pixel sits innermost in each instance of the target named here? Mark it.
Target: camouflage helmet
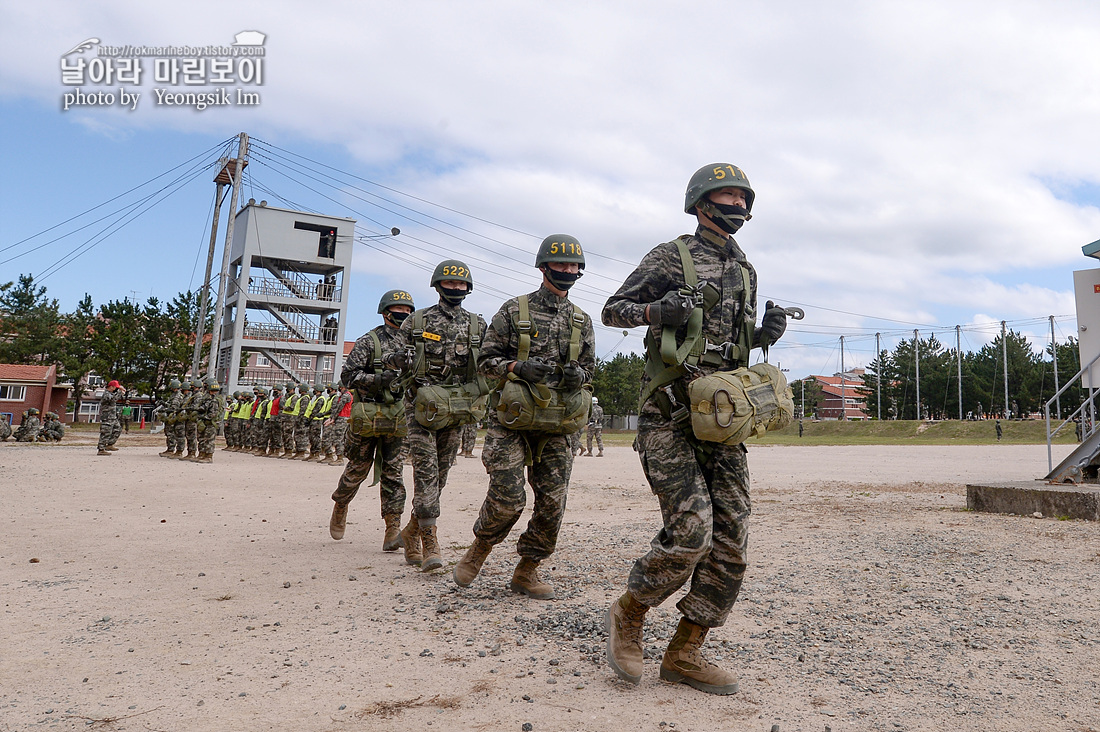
(288, 386)
(174, 384)
(212, 384)
(318, 386)
(395, 297)
(714, 177)
(52, 415)
(237, 395)
(186, 385)
(560, 248)
(452, 269)
(33, 411)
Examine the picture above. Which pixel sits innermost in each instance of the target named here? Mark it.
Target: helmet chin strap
(728, 218)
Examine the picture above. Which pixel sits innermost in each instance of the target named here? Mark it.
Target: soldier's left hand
(773, 325)
(572, 376)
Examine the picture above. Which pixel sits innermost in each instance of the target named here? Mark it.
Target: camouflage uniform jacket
(171, 407)
(551, 327)
(108, 405)
(210, 408)
(595, 416)
(447, 358)
(361, 361)
(717, 261)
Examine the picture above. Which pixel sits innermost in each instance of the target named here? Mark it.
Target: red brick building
(25, 386)
(830, 408)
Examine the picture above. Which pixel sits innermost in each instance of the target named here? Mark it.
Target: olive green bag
(439, 406)
(731, 406)
(523, 406)
(373, 418)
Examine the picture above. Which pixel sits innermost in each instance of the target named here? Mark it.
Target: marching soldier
(382, 442)
(702, 488)
(537, 338)
(168, 414)
(437, 346)
(109, 426)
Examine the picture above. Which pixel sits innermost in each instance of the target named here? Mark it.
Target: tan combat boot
(391, 542)
(470, 564)
(166, 453)
(191, 455)
(431, 558)
(684, 663)
(624, 638)
(338, 521)
(112, 448)
(178, 454)
(205, 457)
(410, 538)
(525, 580)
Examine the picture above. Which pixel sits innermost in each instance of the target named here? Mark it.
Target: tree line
(143, 346)
(1030, 380)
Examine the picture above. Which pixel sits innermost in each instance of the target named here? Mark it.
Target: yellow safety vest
(292, 411)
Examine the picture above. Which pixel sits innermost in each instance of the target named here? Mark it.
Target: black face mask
(452, 296)
(729, 218)
(561, 280)
(397, 318)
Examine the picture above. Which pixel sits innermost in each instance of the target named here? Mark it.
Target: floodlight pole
(959, 354)
(916, 360)
(1054, 358)
(200, 330)
(878, 373)
(1004, 350)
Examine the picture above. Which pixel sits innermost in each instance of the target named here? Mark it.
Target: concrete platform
(1026, 497)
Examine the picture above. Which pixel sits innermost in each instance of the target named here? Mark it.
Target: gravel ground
(147, 594)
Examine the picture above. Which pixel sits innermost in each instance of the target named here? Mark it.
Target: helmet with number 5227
(396, 297)
(560, 248)
(452, 269)
(714, 177)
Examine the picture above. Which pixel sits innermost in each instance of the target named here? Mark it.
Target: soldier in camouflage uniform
(595, 426)
(273, 428)
(319, 411)
(288, 419)
(506, 451)
(301, 427)
(469, 440)
(446, 343)
(227, 420)
(28, 429)
(332, 441)
(575, 443)
(166, 410)
(52, 429)
(386, 452)
(702, 488)
(178, 424)
(209, 411)
(259, 418)
(109, 426)
(5, 429)
(239, 418)
(190, 413)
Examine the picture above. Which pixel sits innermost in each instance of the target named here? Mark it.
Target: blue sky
(916, 165)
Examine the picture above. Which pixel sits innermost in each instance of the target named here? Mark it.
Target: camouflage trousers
(192, 435)
(432, 453)
(288, 422)
(179, 429)
(273, 434)
(301, 434)
(240, 431)
(503, 457)
(705, 534)
(595, 430)
(361, 453)
(207, 435)
(170, 437)
(574, 442)
(316, 432)
(109, 432)
(256, 432)
(469, 438)
(333, 436)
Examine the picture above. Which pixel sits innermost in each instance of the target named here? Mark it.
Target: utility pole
(200, 330)
(1004, 350)
(803, 383)
(843, 408)
(878, 373)
(959, 354)
(916, 360)
(1054, 358)
(227, 249)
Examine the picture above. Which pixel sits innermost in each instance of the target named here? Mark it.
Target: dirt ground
(141, 593)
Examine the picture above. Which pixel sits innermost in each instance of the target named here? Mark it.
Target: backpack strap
(376, 361)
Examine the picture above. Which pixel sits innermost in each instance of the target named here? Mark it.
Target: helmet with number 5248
(452, 269)
(714, 177)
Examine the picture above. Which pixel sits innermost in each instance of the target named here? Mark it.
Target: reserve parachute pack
(731, 406)
(439, 406)
(523, 406)
(378, 418)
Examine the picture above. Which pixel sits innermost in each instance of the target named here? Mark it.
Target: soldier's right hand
(533, 372)
(673, 310)
(360, 380)
(387, 378)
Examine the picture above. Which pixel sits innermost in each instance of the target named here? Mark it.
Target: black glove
(773, 325)
(673, 310)
(386, 379)
(572, 377)
(533, 372)
(359, 381)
